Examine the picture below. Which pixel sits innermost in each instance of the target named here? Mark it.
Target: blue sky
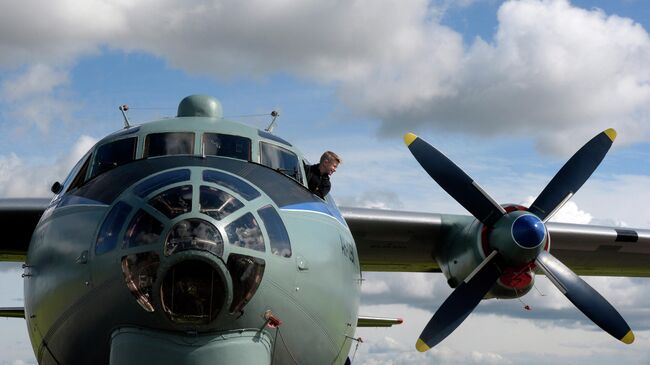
(508, 90)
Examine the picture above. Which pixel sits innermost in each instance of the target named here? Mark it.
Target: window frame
(299, 169)
(206, 134)
(91, 173)
(77, 176)
(146, 144)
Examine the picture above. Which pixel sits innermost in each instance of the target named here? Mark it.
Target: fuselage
(191, 239)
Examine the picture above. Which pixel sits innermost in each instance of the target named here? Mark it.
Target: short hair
(330, 156)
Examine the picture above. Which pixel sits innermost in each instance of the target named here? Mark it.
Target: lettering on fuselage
(347, 250)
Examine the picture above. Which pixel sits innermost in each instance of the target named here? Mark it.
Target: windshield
(162, 144)
(280, 159)
(216, 144)
(113, 154)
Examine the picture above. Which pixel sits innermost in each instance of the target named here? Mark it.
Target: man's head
(329, 161)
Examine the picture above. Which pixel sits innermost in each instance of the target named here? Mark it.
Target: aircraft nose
(195, 240)
(528, 231)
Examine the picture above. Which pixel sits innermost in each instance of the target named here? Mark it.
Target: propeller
(572, 175)
(455, 181)
(517, 238)
(460, 304)
(585, 298)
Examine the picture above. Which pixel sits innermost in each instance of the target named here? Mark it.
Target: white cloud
(617, 200)
(387, 345)
(38, 79)
(33, 97)
(20, 178)
(56, 32)
(380, 199)
(79, 148)
(495, 339)
(569, 70)
(550, 64)
(375, 287)
(569, 213)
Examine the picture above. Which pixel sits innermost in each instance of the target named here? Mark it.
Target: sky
(507, 89)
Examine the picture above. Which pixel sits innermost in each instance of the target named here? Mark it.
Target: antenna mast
(124, 108)
(275, 116)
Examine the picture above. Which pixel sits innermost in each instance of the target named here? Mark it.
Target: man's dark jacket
(318, 183)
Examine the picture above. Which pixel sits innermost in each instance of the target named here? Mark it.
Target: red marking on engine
(485, 241)
(519, 277)
(271, 320)
(513, 207)
(516, 280)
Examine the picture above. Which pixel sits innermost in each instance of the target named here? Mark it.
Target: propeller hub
(518, 236)
(528, 231)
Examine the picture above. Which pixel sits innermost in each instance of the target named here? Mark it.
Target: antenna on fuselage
(124, 108)
(275, 116)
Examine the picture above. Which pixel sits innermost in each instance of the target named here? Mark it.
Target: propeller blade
(585, 298)
(459, 304)
(454, 181)
(572, 175)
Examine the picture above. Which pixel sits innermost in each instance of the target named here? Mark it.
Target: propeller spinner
(516, 238)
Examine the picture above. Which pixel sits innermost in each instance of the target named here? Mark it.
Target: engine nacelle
(468, 248)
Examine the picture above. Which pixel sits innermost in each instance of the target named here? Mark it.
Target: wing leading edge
(18, 218)
(408, 241)
(395, 241)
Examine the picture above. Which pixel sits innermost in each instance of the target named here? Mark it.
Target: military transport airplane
(194, 240)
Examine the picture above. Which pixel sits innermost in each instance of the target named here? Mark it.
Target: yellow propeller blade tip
(611, 133)
(628, 338)
(409, 138)
(421, 345)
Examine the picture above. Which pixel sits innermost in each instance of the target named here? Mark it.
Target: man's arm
(324, 187)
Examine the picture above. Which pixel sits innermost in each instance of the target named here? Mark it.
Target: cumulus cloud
(33, 96)
(386, 345)
(569, 213)
(381, 199)
(22, 178)
(549, 64)
(56, 33)
(38, 79)
(569, 70)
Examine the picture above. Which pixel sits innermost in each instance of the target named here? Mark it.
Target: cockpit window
(173, 202)
(215, 144)
(278, 236)
(217, 203)
(143, 230)
(245, 232)
(162, 144)
(280, 159)
(80, 177)
(77, 175)
(113, 154)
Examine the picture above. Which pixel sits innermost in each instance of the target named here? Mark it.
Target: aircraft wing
(395, 241)
(407, 241)
(18, 218)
